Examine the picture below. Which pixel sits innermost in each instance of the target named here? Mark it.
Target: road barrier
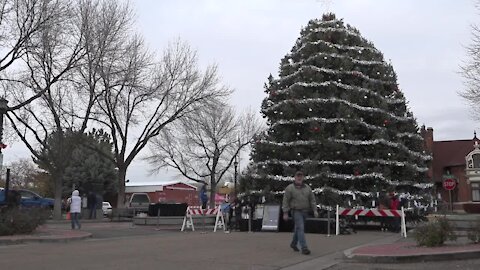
(373, 212)
(198, 211)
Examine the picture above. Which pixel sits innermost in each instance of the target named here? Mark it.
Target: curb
(66, 239)
(441, 256)
(415, 258)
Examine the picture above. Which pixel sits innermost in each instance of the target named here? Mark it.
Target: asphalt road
(119, 246)
(123, 246)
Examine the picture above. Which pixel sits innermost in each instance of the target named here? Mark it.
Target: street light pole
(3, 110)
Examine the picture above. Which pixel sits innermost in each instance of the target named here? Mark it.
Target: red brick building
(171, 192)
(450, 160)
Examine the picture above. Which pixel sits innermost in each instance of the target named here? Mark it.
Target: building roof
(449, 154)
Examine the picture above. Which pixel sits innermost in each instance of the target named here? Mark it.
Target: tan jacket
(298, 198)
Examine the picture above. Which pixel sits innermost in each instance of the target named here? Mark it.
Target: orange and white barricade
(198, 211)
(373, 212)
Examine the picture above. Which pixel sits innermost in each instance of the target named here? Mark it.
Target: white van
(139, 201)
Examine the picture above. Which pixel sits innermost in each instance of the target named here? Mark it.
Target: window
(476, 160)
(476, 192)
(27, 195)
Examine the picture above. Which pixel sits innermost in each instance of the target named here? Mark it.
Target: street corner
(410, 252)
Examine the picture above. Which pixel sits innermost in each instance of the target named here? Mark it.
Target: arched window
(476, 160)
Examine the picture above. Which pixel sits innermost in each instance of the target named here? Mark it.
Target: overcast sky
(424, 39)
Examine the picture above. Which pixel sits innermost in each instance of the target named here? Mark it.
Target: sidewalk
(45, 234)
(406, 250)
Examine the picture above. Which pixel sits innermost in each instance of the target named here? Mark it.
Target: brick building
(456, 159)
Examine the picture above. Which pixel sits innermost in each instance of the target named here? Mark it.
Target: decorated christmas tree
(336, 112)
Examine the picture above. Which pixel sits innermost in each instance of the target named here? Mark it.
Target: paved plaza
(123, 246)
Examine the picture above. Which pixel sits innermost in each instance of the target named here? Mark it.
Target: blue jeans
(74, 218)
(299, 217)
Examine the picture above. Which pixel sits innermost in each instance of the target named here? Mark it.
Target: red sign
(449, 184)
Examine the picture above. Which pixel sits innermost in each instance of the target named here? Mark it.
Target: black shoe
(305, 251)
(294, 247)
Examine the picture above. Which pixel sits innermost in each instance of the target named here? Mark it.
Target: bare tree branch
(205, 144)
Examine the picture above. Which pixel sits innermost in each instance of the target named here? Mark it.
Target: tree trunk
(122, 173)
(57, 206)
(213, 190)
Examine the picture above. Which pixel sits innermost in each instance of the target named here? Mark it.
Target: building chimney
(429, 140)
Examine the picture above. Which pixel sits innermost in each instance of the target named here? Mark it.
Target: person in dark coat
(395, 205)
(204, 196)
(92, 205)
(383, 204)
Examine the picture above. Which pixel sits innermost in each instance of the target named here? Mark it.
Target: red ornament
(3, 146)
(386, 122)
(356, 173)
(316, 129)
(273, 93)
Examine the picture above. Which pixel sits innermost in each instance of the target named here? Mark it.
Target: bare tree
(144, 97)
(23, 173)
(66, 106)
(470, 71)
(27, 29)
(204, 145)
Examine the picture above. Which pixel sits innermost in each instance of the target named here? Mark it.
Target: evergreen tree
(336, 113)
(83, 159)
(92, 167)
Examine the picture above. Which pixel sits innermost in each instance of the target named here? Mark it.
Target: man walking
(299, 199)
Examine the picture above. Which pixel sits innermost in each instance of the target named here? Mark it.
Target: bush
(21, 220)
(435, 233)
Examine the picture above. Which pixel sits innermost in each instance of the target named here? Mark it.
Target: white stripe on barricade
(198, 211)
(371, 213)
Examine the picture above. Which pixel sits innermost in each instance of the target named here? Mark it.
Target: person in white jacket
(75, 209)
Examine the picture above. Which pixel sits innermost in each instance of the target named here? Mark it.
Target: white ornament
(298, 133)
(365, 97)
(325, 58)
(310, 109)
(298, 154)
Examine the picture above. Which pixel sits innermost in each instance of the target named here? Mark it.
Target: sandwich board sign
(271, 216)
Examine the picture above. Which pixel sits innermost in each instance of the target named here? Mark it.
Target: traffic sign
(449, 184)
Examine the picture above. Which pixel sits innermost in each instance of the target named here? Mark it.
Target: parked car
(30, 199)
(106, 208)
(139, 202)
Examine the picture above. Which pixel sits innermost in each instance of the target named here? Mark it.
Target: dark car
(29, 199)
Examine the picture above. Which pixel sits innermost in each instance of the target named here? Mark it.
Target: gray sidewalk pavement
(146, 248)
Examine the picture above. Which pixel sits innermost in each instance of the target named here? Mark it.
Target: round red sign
(449, 184)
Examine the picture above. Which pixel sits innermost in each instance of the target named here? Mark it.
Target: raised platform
(209, 220)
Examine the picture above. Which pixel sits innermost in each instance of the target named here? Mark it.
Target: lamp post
(235, 164)
(3, 110)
